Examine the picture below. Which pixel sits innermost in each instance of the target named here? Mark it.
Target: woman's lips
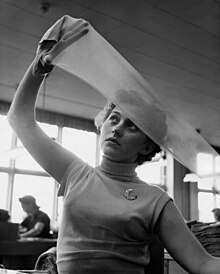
(113, 141)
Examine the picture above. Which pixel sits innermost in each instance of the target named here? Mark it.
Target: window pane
(217, 163)
(150, 172)
(205, 163)
(5, 141)
(217, 183)
(80, 142)
(153, 172)
(50, 130)
(3, 189)
(206, 204)
(25, 160)
(42, 188)
(217, 196)
(205, 183)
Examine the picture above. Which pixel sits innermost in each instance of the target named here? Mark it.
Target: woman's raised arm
(21, 116)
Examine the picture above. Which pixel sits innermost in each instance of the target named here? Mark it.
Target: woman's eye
(114, 119)
(132, 126)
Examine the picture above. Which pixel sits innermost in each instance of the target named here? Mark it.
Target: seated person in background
(37, 222)
(216, 212)
(4, 215)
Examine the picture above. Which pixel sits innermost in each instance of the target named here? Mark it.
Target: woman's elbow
(11, 117)
(18, 118)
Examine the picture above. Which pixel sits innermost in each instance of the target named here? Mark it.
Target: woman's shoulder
(77, 166)
(76, 169)
(154, 191)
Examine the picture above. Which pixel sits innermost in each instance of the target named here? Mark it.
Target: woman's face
(28, 208)
(120, 140)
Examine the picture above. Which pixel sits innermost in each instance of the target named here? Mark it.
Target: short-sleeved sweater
(102, 231)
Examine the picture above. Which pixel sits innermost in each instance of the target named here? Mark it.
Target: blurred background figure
(37, 222)
(4, 215)
(216, 223)
(216, 212)
(8, 230)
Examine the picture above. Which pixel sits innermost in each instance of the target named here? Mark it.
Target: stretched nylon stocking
(96, 62)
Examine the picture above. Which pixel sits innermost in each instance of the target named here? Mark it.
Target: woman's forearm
(22, 110)
(30, 233)
(212, 266)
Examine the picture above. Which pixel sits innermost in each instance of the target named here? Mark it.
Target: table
(22, 254)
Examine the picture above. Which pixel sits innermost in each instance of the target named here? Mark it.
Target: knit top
(108, 218)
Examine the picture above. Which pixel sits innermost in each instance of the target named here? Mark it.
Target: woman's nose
(117, 130)
(114, 131)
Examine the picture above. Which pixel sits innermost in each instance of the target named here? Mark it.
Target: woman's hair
(4, 215)
(103, 115)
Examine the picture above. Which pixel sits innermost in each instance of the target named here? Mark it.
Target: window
(42, 188)
(153, 172)
(205, 204)
(5, 141)
(20, 174)
(24, 160)
(4, 189)
(208, 188)
(82, 143)
(208, 198)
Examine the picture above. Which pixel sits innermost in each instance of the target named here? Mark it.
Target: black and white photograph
(110, 136)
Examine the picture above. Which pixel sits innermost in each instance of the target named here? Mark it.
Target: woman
(36, 223)
(109, 214)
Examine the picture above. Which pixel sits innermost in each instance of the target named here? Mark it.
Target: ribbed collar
(125, 172)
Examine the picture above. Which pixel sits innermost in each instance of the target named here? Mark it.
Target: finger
(74, 31)
(66, 29)
(73, 38)
(47, 59)
(79, 30)
(62, 45)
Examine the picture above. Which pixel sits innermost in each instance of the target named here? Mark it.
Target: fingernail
(85, 31)
(47, 59)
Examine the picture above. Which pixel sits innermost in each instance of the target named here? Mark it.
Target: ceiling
(174, 44)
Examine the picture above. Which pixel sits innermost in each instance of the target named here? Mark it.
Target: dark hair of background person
(4, 215)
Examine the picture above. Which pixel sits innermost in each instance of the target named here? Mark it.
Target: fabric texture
(96, 62)
(47, 261)
(30, 221)
(209, 237)
(102, 230)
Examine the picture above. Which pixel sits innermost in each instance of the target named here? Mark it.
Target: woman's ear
(147, 148)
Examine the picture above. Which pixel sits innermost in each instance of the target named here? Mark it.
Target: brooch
(130, 194)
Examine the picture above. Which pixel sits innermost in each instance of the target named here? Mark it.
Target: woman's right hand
(68, 37)
(49, 49)
(41, 66)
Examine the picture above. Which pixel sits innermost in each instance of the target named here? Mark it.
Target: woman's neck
(124, 171)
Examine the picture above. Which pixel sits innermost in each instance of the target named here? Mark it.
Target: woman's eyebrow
(115, 112)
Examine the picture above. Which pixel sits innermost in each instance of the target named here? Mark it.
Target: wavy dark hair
(103, 115)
